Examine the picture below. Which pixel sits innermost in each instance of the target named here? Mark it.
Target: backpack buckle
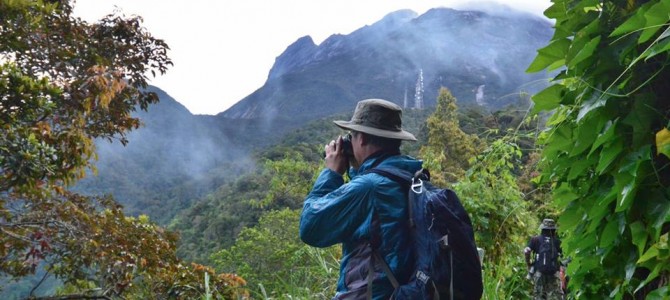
(444, 242)
(417, 187)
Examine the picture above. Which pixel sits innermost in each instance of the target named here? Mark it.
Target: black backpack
(546, 260)
(447, 264)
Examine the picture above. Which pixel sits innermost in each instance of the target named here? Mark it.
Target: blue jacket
(335, 212)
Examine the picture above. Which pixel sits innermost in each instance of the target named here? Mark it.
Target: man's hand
(335, 158)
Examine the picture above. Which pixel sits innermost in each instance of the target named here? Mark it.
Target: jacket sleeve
(333, 210)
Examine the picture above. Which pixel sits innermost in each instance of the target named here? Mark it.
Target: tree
(275, 261)
(449, 149)
(63, 83)
(490, 194)
(97, 251)
(606, 149)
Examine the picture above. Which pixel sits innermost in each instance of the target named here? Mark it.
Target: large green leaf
(640, 118)
(656, 16)
(584, 52)
(659, 214)
(633, 23)
(580, 165)
(571, 217)
(610, 129)
(628, 193)
(609, 234)
(639, 236)
(662, 293)
(551, 56)
(626, 181)
(556, 10)
(662, 46)
(586, 133)
(596, 101)
(651, 253)
(548, 98)
(608, 154)
(564, 194)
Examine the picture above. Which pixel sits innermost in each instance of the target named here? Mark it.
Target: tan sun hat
(377, 117)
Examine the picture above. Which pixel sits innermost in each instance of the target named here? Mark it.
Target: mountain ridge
(161, 170)
(442, 42)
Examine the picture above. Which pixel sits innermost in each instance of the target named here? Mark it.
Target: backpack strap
(375, 241)
(406, 180)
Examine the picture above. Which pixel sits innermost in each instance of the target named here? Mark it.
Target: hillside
(177, 157)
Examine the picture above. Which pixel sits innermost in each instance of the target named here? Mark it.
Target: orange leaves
(102, 85)
(77, 235)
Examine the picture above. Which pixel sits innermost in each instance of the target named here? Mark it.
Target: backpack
(447, 264)
(546, 260)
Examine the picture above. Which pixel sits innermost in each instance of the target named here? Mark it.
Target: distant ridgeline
(404, 58)
(178, 157)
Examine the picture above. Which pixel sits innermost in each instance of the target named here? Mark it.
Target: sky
(223, 50)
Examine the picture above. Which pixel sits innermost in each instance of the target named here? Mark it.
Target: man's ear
(365, 139)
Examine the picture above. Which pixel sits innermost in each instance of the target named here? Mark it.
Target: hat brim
(542, 227)
(398, 135)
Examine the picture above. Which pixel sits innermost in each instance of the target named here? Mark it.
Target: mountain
(469, 52)
(166, 161)
(177, 158)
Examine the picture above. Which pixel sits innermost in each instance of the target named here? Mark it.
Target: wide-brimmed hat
(548, 224)
(377, 117)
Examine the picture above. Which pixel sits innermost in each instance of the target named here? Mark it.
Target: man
(546, 248)
(335, 212)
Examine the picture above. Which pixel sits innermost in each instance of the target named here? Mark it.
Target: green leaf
(660, 293)
(596, 101)
(555, 11)
(639, 235)
(548, 98)
(658, 48)
(609, 234)
(659, 215)
(656, 16)
(571, 217)
(663, 142)
(580, 165)
(586, 133)
(627, 195)
(600, 210)
(609, 154)
(651, 253)
(559, 142)
(606, 136)
(564, 195)
(630, 270)
(550, 55)
(633, 23)
(584, 52)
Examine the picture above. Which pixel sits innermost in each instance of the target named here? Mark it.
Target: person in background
(544, 270)
(336, 212)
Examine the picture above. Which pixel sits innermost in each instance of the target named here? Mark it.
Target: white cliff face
(479, 95)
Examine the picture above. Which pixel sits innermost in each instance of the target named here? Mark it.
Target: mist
(169, 162)
(458, 49)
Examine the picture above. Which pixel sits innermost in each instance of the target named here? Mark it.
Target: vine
(606, 148)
